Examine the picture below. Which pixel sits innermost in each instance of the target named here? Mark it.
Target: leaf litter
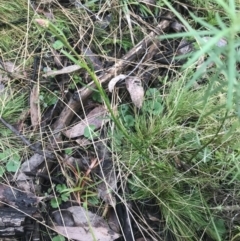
(133, 85)
(97, 118)
(80, 224)
(90, 169)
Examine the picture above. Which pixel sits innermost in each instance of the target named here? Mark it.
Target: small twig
(26, 141)
(227, 208)
(65, 70)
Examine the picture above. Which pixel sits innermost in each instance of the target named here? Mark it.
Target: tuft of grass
(13, 104)
(176, 171)
(224, 57)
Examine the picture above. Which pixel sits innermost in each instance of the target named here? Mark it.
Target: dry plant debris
(82, 166)
(96, 117)
(34, 106)
(82, 225)
(133, 85)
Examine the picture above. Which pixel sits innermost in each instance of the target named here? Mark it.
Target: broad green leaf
(58, 238)
(157, 108)
(61, 187)
(55, 202)
(89, 131)
(13, 165)
(58, 45)
(129, 119)
(68, 151)
(5, 154)
(65, 197)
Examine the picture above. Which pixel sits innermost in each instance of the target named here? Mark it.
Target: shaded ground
(100, 137)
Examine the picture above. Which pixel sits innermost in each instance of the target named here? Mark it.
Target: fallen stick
(138, 50)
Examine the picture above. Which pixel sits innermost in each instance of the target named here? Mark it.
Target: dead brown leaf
(113, 81)
(105, 189)
(57, 58)
(30, 165)
(83, 141)
(77, 163)
(88, 226)
(9, 67)
(176, 26)
(83, 234)
(95, 117)
(34, 106)
(184, 47)
(135, 89)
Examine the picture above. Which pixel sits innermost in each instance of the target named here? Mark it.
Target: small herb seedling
(62, 190)
(97, 97)
(126, 116)
(89, 132)
(153, 103)
(75, 80)
(68, 151)
(58, 45)
(58, 238)
(11, 160)
(47, 98)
